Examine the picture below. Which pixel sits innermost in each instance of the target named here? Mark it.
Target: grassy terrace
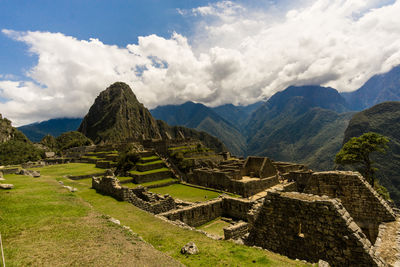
(151, 158)
(43, 224)
(149, 172)
(215, 227)
(70, 169)
(150, 163)
(186, 193)
(159, 182)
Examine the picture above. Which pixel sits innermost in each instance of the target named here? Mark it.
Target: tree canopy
(357, 152)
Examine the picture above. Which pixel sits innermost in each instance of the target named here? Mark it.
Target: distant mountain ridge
(378, 89)
(55, 127)
(203, 118)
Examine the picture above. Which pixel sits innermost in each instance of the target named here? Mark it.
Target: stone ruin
(140, 197)
(332, 216)
(245, 178)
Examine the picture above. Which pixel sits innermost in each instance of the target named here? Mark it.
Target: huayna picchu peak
(117, 115)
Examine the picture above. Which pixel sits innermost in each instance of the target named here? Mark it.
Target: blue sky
(56, 56)
(116, 22)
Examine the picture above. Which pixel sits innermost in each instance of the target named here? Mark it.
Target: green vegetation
(70, 169)
(150, 163)
(383, 119)
(158, 182)
(215, 227)
(44, 224)
(357, 151)
(150, 158)
(149, 172)
(122, 179)
(126, 161)
(15, 148)
(50, 142)
(186, 193)
(16, 152)
(72, 139)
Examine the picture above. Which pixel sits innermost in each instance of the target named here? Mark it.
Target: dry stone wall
(139, 197)
(236, 231)
(310, 227)
(260, 167)
(222, 180)
(366, 207)
(202, 213)
(198, 214)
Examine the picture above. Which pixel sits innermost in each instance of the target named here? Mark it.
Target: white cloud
(239, 54)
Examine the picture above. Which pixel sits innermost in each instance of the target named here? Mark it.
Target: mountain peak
(117, 115)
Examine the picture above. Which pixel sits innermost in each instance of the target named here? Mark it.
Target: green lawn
(70, 169)
(186, 193)
(215, 227)
(149, 172)
(42, 222)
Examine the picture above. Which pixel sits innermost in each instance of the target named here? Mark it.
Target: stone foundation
(139, 197)
(311, 228)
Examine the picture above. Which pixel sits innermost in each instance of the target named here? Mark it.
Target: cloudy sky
(57, 56)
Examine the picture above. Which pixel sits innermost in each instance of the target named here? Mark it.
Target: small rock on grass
(190, 248)
(6, 186)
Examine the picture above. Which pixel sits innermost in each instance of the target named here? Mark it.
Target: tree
(357, 152)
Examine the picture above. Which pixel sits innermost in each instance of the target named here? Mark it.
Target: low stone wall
(363, 203)
(236, 231)
(9, 170)
(103, 164)
(202, 213)
(221, 180)
(144, 178)
(311, 228)
(236, 208)
(139, 197)
(198, 214)
(148, 167)
(79, 177)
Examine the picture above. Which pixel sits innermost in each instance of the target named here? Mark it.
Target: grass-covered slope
(15, 148)
(384, 119)
(300, 124)
(44, 224)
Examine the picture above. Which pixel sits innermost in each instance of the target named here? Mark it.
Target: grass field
(215, 227)
(43, 224)
(69, 169)
(186, 193)
(150, 163)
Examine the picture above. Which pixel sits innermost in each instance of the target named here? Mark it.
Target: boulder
(190, 248)
(6, 186)
(29, 173)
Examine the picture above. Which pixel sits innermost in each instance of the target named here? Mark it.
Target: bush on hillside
(17, 152)
(72, 139)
